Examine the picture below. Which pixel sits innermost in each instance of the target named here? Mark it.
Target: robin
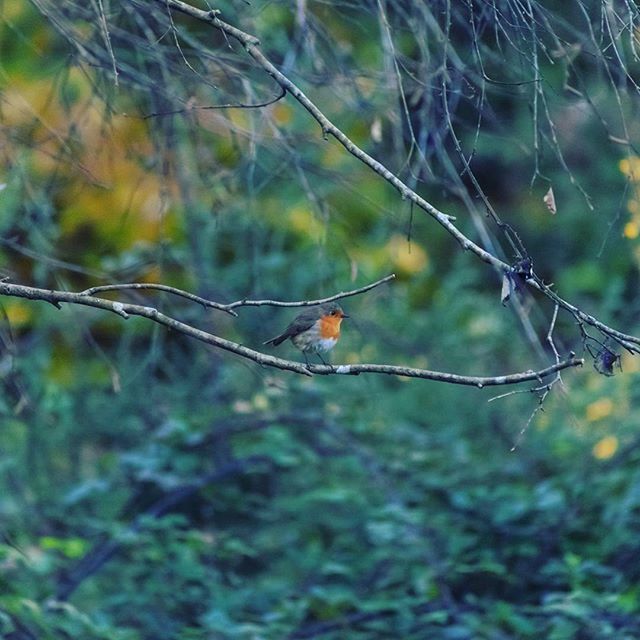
(316, 329)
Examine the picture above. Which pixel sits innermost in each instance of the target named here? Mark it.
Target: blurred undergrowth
(371, 505)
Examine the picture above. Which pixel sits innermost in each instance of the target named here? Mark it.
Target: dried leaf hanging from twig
(550, 201)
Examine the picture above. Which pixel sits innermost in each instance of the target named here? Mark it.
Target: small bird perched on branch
(316, 329)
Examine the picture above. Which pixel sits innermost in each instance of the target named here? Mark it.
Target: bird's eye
(333, 313)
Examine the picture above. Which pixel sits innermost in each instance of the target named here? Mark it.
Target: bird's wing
(301, 323)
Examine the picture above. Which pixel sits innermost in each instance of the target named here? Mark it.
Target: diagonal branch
(126, 310)
(252, 47)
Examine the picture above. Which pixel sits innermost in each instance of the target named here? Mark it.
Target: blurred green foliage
(153, 488)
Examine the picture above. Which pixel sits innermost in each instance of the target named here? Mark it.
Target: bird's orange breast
(330, 327)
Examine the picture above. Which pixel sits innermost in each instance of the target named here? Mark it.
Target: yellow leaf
(631, 230)
(630, 167)
(629, 363)
(304, 222)
(605, 448)
(408, 257)
(624, 165)
(282, 113)
(261, 402)
(599, 409)
(18, 314)
(333, 155)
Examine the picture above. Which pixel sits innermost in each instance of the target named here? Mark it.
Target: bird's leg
(324, 362)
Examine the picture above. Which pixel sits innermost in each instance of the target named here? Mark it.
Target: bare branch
(228, 308)
(629, 342)
(158, 287)
(308, 303)
(543, 391)
(126, 310)
(237, 105)
(251, 45)
(451, 378)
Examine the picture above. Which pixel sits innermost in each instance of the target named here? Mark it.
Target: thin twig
(543, 391)
(158, 287)
(629, 342)
(237, 105)
(104, 28)
(228, 308)
(308, 303)
(552, 327)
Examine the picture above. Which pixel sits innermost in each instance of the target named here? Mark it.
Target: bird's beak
(344, 315)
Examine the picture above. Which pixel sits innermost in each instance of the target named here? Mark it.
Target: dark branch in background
(251, 45)
(126, 310)
(104, 550)
(237, 105)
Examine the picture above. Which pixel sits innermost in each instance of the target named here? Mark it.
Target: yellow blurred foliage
(282, 113)
(305, 223)
(368, 86)
(62, 369)
(13, 11)
(630, 363)
(260, 402)
(543, 421)
(108, 189)
(333, 155)
(407, 257)
(152, 274)
(630, 167)
(18, 313)
(631, 230)
(599, 409)
(24, 101)
(605, 448)
(239, 118)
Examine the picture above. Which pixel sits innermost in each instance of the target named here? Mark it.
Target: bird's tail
(277, 340)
